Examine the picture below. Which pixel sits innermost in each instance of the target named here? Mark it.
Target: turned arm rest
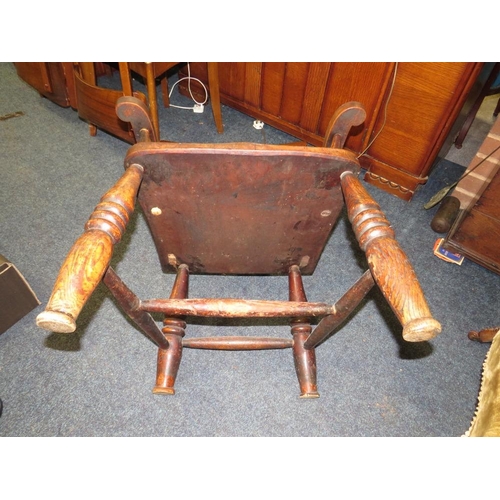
(388, 263)
(90, 255)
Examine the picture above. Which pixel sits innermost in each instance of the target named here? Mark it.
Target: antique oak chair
(239, 209)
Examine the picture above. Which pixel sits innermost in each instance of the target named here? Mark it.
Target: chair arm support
(388, 263)
(90, 255)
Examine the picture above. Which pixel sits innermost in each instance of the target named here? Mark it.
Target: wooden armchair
(243, 209)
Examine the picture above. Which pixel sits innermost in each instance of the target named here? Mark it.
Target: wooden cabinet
(476, 231)
(411, 108)
(52, 80)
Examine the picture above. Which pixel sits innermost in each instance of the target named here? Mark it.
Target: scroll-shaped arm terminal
(351, 114)
(90, 255)
(388, 263)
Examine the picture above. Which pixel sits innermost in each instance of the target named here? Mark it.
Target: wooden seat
(242, 209)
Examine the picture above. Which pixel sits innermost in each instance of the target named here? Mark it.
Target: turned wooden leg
(174, 329)
(305, 359)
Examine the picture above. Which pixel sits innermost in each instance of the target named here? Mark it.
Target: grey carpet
(98, 381)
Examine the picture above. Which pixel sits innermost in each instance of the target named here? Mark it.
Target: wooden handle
(90, 255)
(388, 263)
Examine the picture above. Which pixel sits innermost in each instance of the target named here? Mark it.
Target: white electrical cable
(189, 78)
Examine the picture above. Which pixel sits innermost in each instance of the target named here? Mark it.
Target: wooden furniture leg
(88, 74)
(174, 329)
(164, 92)
(485, 335)
(305, 359)
(153, 103)
(213, 83)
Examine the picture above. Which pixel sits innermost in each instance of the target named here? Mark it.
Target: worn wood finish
(343, 308)
(131, 305)
(169, 360)
(90, 255)
(236, 308)
(304, 359)
(135, 112)
(96, 105)
(347, 116)
(197, 198)
(301, 185)
(237, 343)
(389, 265)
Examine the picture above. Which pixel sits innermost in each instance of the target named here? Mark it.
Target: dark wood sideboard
(415, 119)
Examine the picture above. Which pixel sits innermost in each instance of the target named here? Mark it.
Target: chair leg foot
(305, 362)
(310, 395)
(164, 390)
(168, 364)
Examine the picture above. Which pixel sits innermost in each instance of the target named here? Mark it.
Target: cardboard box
(16, 296)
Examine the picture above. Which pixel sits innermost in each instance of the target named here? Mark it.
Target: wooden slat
(273, 75)
(314, 95)
(294, 88)
(253, 75)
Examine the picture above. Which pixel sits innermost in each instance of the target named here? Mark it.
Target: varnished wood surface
(266, 177)
(236, 308)
(47, 78)
(389, 265)
(300, 98)
(287, 199)
(90, 255)
(96, 105)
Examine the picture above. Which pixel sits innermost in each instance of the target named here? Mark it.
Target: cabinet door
(49, 79)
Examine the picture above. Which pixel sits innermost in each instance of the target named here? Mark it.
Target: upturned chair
(239, 209)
